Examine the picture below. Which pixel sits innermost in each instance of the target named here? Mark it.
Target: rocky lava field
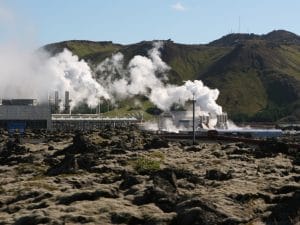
(128, 176)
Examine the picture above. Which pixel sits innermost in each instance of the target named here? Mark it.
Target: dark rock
(197, 211)
(118, 151)
(155, 143)
(32, 220)
(42, 196)
(12, 209)
(166, 174)
(87, 196)
(296, 160)
(241, 145)
(244, 198)
(77, 219)
(80, 183)
(14, 153)
(23, 196)
(67, 165)
(163, 192)
(86, 161)
(50, 148)
(216, 174)
(129, 180)
(270, 148)
(286, 189)
(193, 148)
(126, 218)
(51, 161)
(188, 175)
(81, 144)
(41, 205)
(287, 211)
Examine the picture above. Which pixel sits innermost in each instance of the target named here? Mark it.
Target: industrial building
(24, 113)
(21, 114)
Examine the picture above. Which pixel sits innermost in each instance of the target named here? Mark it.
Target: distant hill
(258, 75)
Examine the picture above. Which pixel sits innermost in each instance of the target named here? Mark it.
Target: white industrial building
(21, 114)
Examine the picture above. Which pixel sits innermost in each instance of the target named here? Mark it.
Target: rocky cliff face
(126, 176)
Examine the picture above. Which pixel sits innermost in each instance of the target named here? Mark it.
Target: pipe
(194, 134)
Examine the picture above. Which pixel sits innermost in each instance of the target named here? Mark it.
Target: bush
(146, 165)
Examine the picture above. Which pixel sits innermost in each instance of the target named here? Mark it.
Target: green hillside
(258, 75)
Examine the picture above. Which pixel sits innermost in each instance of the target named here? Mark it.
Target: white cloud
(178, 7)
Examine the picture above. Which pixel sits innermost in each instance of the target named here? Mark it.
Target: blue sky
(130, 21)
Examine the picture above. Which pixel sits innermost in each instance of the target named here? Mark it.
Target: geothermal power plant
(21, 114)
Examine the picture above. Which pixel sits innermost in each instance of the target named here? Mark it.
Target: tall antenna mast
(239, 24)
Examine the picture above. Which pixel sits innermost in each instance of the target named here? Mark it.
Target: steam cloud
(147, 76)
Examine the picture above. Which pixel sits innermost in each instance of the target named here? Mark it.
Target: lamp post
(194, 134)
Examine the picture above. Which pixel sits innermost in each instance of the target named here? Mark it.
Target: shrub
(146, 165)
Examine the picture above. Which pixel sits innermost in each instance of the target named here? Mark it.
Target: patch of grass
(146, 165)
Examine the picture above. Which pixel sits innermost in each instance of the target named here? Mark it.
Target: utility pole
(194, 134)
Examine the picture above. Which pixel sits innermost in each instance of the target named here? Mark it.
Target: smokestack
(67, 103)
(56, 102)
(98, 109)
(222, 121)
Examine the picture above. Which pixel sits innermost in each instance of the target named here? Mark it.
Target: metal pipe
(194, 134)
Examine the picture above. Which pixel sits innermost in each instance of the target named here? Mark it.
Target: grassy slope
(187, 60)
(257, 78)
(291, 53)
(241, 92)
(93, 52)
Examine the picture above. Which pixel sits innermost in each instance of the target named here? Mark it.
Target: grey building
(21, 114)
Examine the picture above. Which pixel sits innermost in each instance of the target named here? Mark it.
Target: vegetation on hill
(258, 75)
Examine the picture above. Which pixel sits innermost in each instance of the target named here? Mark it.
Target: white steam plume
(77, 77)
(27, 74)
(138, 78)
(147, 76)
